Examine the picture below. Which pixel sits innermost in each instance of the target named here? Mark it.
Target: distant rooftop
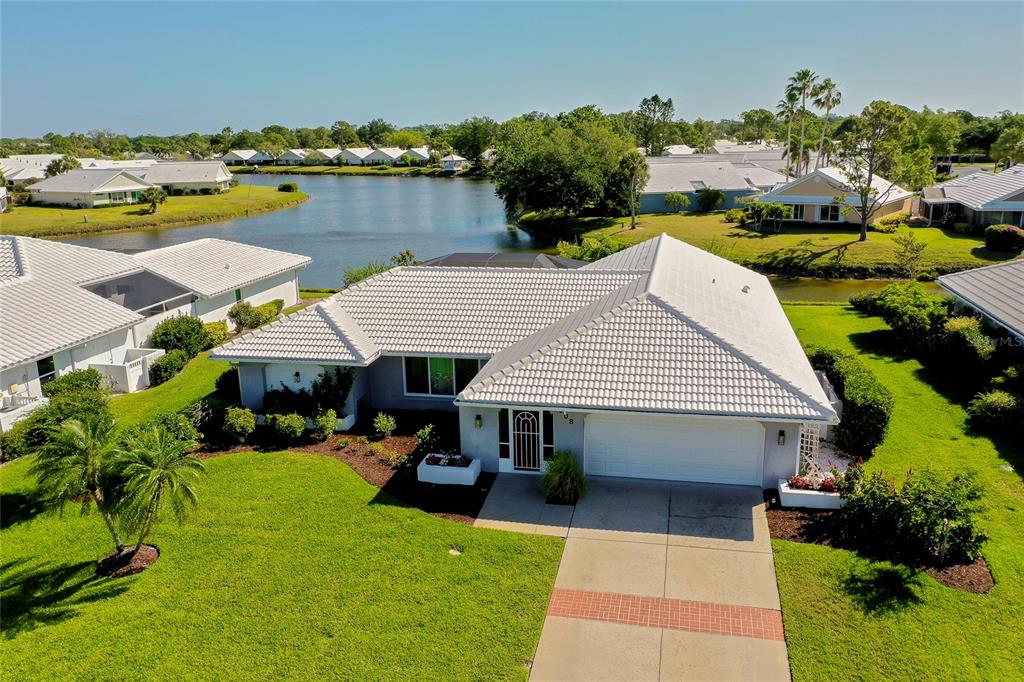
(504, 260)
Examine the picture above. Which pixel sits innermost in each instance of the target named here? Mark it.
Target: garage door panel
(674, 448)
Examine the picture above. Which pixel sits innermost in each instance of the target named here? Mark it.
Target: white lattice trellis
(809, 443)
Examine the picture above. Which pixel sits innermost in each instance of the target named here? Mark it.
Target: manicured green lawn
(293, 567)
(848, 617)
(197, 380)
(813, 250)
(52, 221)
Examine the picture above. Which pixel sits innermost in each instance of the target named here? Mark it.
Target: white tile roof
(982, 190)
(88, 180)
(698, 335)
(358, 152)
(211, 267)
(662, 326)
(724, 175)
(995, 290)
(241, 154)
(186, 171)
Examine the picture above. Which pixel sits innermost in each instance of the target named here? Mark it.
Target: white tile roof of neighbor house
(662, 327)
(885, 191)
(360, 152)
(186, 171)
(678, 150)
(981, 191)
(89, 180)
(244, 154)
(211, 267)
(44, 307)
(723, 175)
(997, 291)
(453, 157)
(331, 152)
(421, 153)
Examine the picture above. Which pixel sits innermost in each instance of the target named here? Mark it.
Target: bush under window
(167, 366)
(287, 427)
(239, 423)
(184, 333)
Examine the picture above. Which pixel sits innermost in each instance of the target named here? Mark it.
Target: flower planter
(448, 475)
(808, 499)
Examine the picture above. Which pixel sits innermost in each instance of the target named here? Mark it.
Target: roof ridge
(328, 316)
(717, 338)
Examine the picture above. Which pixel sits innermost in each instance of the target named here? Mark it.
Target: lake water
(350, 221)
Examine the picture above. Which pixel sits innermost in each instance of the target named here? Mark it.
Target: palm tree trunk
(108, 519)
(803, 130)
(789, 144)
(150, 514)
(632, 202)
(821, 143)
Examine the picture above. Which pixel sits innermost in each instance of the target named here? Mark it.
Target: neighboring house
(995, 291)
(19, 173)
(678, 150)
(189, 176)
(88, 188)
(3, 199)
(504, 259)
(981, 198)
(330, 155)
(489, 155)
(730, 147)
(453, 163)
(291, 157)
(134, 166)
(66, 307)
(661, 361)
(813, 196)
(384, 156)
(239, 157)
(737, 180)
(353, 156)
(418, 154)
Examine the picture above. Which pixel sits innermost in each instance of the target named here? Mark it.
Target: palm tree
(75, 465)
(709, 198)
(802, 82)
(634, 166)
(826, 96)
(786, 109)
(153, 196)
(159, 470)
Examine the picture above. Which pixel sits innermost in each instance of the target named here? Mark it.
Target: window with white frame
(436, 376)
(798, 211)
(828, 214)
(46, 369)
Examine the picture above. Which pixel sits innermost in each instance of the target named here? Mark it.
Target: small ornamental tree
(709, 198)
(153, 196)
(677, 201)
(62, 165)
(184, 333)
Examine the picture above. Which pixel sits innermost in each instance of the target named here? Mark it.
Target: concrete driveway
(658, 581)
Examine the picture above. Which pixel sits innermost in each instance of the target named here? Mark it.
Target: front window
(47, 370)
(829, 214)
(798, 211)
(439, 376)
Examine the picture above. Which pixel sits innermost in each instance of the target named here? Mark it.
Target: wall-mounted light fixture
(478, 421)
(297, 377)
(782, 437)
(565, 415)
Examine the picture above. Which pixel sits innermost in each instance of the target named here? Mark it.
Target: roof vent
(227, 266)
(746, 288)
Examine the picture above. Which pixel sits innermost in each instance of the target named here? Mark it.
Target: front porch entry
(525, 440)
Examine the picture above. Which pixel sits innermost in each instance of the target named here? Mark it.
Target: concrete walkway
(658, 581)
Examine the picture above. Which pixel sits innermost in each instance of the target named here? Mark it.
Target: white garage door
(674, 448)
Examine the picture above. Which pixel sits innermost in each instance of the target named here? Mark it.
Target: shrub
(78, 380)
(176, 424)
(207, 416)
(384, 453)
(965, 228)
(996, 409)
(81, 405)
(426, 438)
(246, 316)
(384, 424)
(891, 228)
(288, 427)
(867, 404)
(239, 423)
(914, 316)
(1004, 238)
(354, 274)
(241, 314)
(233, 182)
(563, 481)
(184, 333)
(205, 190)
(967, 347)
(590, 249)
(285, 400)
(677, 201)
(908, 252)
(893, 220)
(766, 213)
(262, 314)
(865, 301)
(288, 187)
(330, 390)
(734, 215)
(323, 424)
(177, 192)
(216, 333)
(709, 198)
(927, 521)
(1012, 379)
(167, 366)
(13, 442)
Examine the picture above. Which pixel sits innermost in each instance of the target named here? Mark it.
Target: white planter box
(808, 499)
(442, 475)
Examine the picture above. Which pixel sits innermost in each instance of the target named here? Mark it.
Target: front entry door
(526, 449)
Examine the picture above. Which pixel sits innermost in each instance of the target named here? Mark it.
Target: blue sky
(177, 67)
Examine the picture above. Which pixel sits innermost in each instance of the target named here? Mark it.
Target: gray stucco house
(737, 180)
(661, 361)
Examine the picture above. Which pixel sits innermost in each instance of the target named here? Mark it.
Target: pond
(350, 221)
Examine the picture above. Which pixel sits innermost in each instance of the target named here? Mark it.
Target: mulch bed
(457, 503)
(127, 561)
(814, 526)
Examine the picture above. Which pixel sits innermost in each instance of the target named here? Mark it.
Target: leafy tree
(406, 257)
(62, 165)
(373, 132)
(758, 122)
(473, 137)
(153, 196)
(803, 83)
(634, 167)
(159, 472)
(876, 144)
(827, 97)
(76, 465)
(344, 134)
(653, 120)
(709, 198)
(197, 145)
(406, 138)
(703, 136)
(908, 252)
(313, 138)
(1009, 147)
(940, 131)
(677, 201)
(786, 110)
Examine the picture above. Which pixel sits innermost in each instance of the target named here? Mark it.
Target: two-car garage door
(674, 448)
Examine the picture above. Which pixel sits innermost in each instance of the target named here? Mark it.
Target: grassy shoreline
(241, 202)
